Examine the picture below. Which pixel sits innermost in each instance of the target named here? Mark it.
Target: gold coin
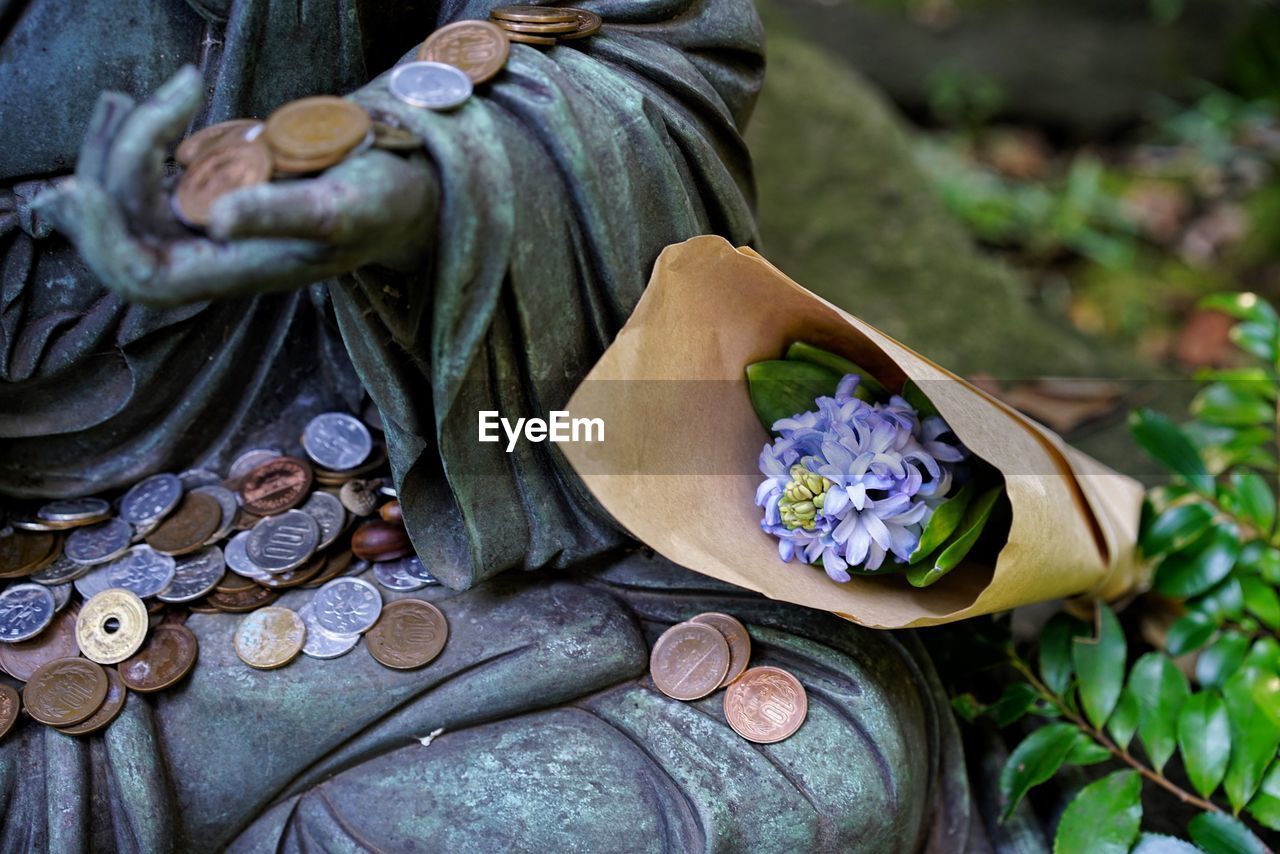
(111, 626)
(214, 136)
(290, 166)
(533, 14)
(689, 661)
(393, 138)
(539, 29)
(312, 129)
(222, 170)
(765, 705)
(270, 638)
(525, 38)
(477, 48)
(589, 24)
(735, 634)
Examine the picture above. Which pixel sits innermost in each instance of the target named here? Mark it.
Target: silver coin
(73, 509)
(93, 582)
(61, 571)
(195, 575)
(25, 609)
(329, 514)
(143, 571)
(357, 567)
(238, 561)
(99, 543)
(151, 500)
(227, 504)
(284, 542)
(193, 479)
(322, 643)
(29, 523)
(403, 575)
(61, 594)
(434, 85)
(347, 606)
(250, 460)
(337, 441)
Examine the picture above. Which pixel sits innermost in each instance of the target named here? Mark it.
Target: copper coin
(765, 705)
(334, 565)
(539, 29)
(65, 692)
(735, 634)
(689, 661)
(10, 704)
(22, 551)
(185, 529)
(477, 48)
(297, 166)
(218, 172)
(276, 486)
(232, 583)
(107, 712)
(211, 137)
(58, 640)
(168, 655)
(409, 633)
(589, 24)
(393, 138)
(316, 128)
(293, 577)
(239, 603)
(525, 38)
(532, 14)
(270, 638)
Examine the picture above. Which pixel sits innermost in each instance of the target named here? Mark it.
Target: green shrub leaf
(1220, 659)
(1056, 668)
(1265, 806)
(1189, 633)
(1232, 405)
(1016, 701)
(1086, 751)
(1099, 662)
(1255, 499)
(1254, 736)
(1170, 447)
(1160, 690)
(1204, 738)
(1103, 818)
(1261, 600)
(1218, 833)
(1124, 720)
(1175, 527)
(1200, 566)
(1035, 760)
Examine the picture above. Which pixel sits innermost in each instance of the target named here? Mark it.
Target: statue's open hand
(373, 208)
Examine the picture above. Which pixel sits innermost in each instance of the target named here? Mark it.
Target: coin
(689, 661)
(735, 634)
(765, 705)
(284, 542)
(409, 634)
(151, 500)
(270, 638)
(403, 575)
(477, 48)
(27, 522)
(188, 527)
(211, 137)
(62, 570)
(293, 577)
(76, 510)
(195, 575)
(589, 24)
(250, 460)
(347, 606)
(533, 14)
(227, 504)
(111, 626)
(168, 655)
(329, 514)
(61, 595)
(99, 543)
(22, 659)
(322, 643)
(430, 84)
(25, 610)
(529, 38)
(10, 705)
(22, 551)
(276, 485)
(65, 692)
(196, 478)
(142, 570)
(107, 712)
(334, 565)
(240, 602)
(237, 559)
(317, 128)
(218, 172)
(94, 581)
(393, 138)
(539, 29)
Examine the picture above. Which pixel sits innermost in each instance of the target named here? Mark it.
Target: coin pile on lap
(544, 26)
(711, 651)
(99, 591)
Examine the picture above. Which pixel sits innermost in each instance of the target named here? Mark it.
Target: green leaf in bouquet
(913, 395)
(1220, 659)
(1037, 758)
(1170, 447)
(945, 519)
(869, 388)
(1204, 739)
(1261, 600)
(1190, 632)
(1099, 663)
(1123, 722)
(1086, 751)
(1160, 690)
(1056, 668)
(961, 541)
(1223, 602)
(1233, 405)
(1103, 818)
(1254, 736)
(1199, 566)
(1016, 701)
(1265, 806)
(782, 389)
(1175, 527)
(1219, 833)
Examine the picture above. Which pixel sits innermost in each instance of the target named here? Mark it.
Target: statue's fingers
(318, 209)
(202, 269)
(108, 113)
(84, 212)
(136, 160)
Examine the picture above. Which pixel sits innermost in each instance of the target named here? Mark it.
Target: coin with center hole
(765, 705)
(167, 656)
(65, 692)
(195, 575)
(25, 610)
(151, 500)
(347, 606)
(689, 661)
(111, 626)
(143, 571)
(99, 543)
(284, 542)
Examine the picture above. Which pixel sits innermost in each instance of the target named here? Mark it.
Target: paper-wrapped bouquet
(689, 465)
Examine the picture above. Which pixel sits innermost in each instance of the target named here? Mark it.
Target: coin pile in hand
(544, 26)
(98, 592)
(711, 651)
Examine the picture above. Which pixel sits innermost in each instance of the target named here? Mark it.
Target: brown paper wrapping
(709, 311)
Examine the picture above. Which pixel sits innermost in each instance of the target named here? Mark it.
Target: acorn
(390, 512)
(377, 540)
(360, 496)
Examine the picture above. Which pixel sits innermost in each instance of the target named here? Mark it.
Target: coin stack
(711, 651)
(99, 592)
(544, 26)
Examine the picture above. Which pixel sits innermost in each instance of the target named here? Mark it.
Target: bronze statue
(488, 272)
